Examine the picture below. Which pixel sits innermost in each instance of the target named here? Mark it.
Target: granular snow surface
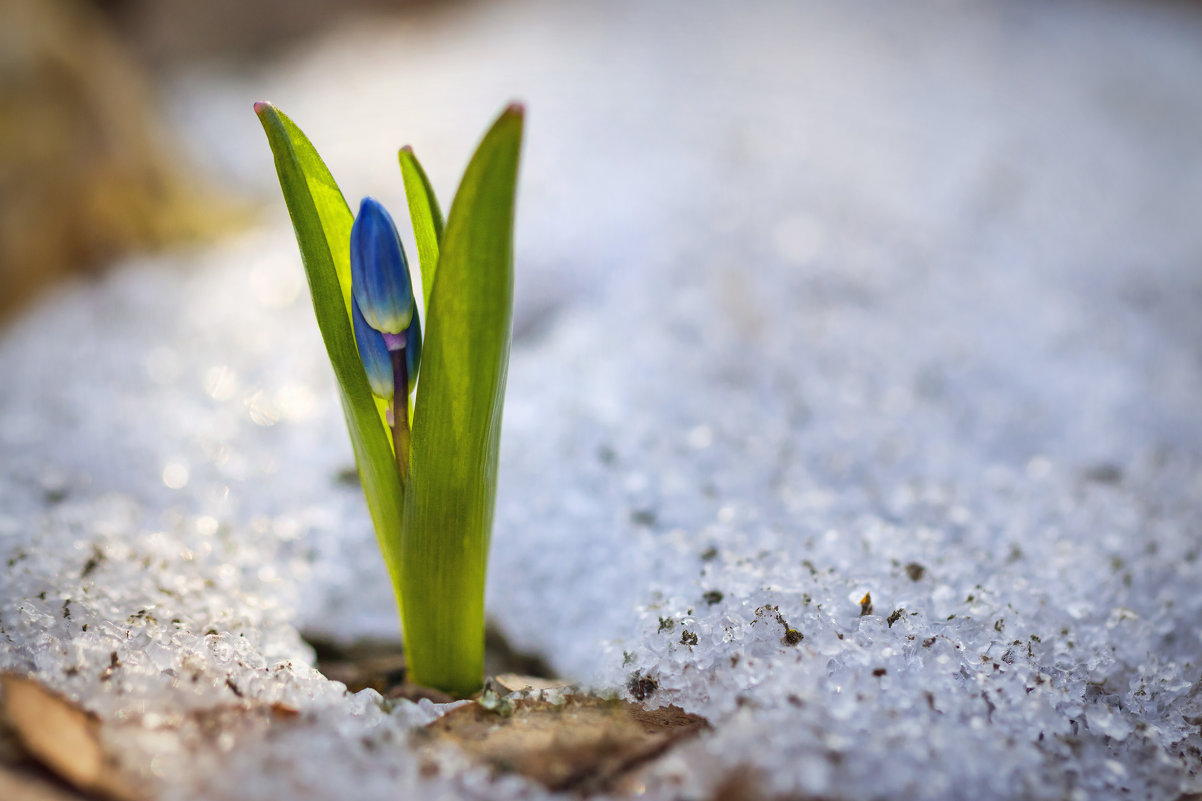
(853, 405)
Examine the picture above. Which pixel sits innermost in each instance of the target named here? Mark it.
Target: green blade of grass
(451, 492)
(322, 223)
(426, 218)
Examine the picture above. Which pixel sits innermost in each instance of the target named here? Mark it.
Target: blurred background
(673, 140)
(126, 124)
(91, 166)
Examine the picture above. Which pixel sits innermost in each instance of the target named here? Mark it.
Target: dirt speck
(641, 687)
(93, 562)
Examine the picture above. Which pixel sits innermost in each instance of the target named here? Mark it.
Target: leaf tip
(261, 106)
(407, 149)
(515, 109)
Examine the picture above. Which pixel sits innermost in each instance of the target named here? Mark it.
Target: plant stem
(400, 411)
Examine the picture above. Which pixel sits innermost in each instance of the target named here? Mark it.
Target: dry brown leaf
(26, 785)
(586, 744)
(62, 737)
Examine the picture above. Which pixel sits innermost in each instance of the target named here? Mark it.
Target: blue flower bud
(379, 272)
(377, 361)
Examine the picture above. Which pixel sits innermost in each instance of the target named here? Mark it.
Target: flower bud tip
(379, 271)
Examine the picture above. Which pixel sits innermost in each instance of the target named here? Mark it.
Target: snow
(813, 304)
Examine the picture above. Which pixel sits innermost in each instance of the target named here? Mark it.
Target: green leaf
(451, 492)
(426, 218)
(322, 222)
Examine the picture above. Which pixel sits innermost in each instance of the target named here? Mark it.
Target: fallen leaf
(585, 744)
(26, 785)
(62, 737)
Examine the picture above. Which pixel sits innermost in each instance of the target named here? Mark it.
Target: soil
(379, 664)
